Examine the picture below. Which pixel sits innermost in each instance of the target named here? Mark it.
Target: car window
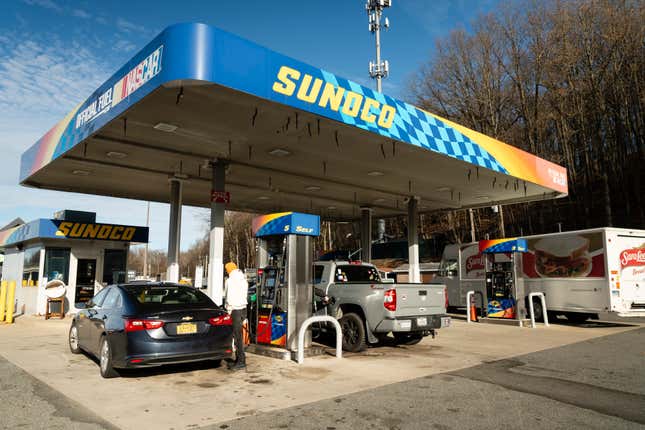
(356, 273)
(98, 299)
(113, 300)
(167, 295)
(318, 274)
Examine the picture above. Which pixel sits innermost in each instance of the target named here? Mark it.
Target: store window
(57, 264)
(114, 266)
(31, 267)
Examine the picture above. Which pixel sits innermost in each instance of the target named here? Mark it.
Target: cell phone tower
(378, 69)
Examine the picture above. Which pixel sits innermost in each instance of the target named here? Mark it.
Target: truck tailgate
(419, 299)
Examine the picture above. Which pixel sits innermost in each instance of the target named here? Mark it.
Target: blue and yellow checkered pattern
(417, 127)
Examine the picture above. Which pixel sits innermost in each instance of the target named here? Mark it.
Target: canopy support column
(263, 253)
(366, 234)
(216, 236)
(174, 232)
(414, 274)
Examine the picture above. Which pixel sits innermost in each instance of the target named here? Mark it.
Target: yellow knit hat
(230, 266)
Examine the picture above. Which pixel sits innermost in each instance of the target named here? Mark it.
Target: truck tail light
(139, 325)
(445, 294)
(221, 320)
(389, 300)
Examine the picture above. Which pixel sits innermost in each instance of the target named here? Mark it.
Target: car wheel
(407, 338)
(353, 333)
(105, 360)
(73, 340)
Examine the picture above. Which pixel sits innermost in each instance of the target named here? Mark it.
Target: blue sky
(54, 53)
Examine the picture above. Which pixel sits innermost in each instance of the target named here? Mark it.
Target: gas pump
(285, 289)
(504, 289)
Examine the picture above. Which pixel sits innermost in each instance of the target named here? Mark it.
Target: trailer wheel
(577, 318)
(354, 339)
(537, 308)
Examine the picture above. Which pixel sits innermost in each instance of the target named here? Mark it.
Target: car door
(83, 320)
(112, 311)
(95, 319)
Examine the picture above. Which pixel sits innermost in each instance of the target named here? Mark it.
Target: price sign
(220, 197)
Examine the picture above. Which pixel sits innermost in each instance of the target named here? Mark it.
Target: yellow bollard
(3, 298)
(11, 295)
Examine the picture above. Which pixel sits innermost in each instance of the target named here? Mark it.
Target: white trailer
(581, 273)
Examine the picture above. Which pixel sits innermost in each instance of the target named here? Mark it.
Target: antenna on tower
(379, 69)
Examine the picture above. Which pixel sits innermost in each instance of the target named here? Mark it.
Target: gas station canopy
(295, 137)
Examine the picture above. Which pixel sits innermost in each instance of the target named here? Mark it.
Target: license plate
(422, 321)
(445, 321)
(186, 328)
(406, 324)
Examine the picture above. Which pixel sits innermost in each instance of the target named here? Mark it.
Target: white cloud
(46, 76)
(129, 27)
(123, 45)
(41, 79)
(47, 4)
(80, 13)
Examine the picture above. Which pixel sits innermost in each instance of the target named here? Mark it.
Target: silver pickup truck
(369, 308)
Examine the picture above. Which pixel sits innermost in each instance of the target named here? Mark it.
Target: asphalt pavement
(595, 384)
(27, 403)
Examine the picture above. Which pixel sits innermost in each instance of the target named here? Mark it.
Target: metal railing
(532, 311)
(305, 325)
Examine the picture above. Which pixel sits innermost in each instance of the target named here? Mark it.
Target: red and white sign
(220, 197)
(475, 262)
(632, 257)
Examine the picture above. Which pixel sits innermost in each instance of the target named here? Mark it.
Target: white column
(414, 274)
(174, 231)
(199, 277)
(263, 254)
(366, 234)
(216, 236)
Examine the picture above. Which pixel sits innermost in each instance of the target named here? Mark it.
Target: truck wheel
(353, 333)
(407, 338)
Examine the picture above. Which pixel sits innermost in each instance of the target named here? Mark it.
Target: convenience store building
(72, 248)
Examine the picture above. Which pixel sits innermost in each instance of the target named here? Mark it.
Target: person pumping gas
(235, 291)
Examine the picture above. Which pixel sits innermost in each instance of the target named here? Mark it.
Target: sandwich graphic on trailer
(562, 257)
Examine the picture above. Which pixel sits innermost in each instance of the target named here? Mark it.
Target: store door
(85, 277)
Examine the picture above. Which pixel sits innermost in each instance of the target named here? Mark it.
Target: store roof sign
(59, 229)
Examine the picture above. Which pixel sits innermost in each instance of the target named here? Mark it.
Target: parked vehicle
(581, 273)
(150, 324)
(369, 308)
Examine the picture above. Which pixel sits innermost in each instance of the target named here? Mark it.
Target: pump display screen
(269, 286)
